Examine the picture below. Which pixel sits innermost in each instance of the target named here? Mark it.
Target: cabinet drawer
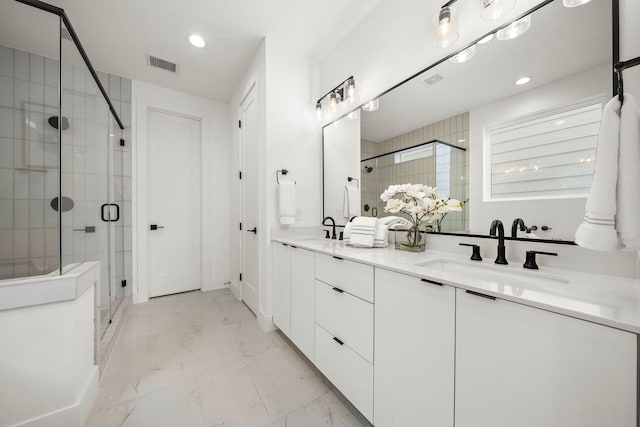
(347, 317)
(352, 277)
(347, 370)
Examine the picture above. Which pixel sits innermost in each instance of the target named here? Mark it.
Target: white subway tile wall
(30, 168)
(448, 165)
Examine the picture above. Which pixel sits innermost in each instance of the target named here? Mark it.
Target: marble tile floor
(200, 359)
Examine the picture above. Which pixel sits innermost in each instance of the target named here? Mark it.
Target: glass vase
(410, 239)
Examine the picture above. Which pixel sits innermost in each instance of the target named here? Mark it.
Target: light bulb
(486, 39)
(196, 40)
(319, 110)
(333, 101)
(351, 90)
(445, 27)
(464, 56)
(523, 80)
(574, 3)
(372, 105)
(495, 9)
(515, 29)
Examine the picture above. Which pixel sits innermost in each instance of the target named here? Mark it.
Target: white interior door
(174, 204)
(249, 143)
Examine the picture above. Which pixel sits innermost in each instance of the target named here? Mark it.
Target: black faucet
(500, 259)
(333, 225)
(518, 222)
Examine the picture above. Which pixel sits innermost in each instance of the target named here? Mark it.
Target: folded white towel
(393, 220)
(598, 231)
(381, 237)
(287, 202)
(346, 233)
(351, 201)
(363, 231)
(628, 194)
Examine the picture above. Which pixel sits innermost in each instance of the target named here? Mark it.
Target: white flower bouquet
(421, 205)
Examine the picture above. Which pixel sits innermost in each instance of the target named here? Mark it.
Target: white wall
(630, 43)
(563, 215)
(215, 174)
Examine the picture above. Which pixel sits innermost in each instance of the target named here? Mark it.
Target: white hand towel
(347, 233)
(287, 202)
(381, 237)
(628, 194)
(351, 203)
(363, 230)
(598, 231)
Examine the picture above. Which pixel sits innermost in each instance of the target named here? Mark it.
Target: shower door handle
(254, 230)
(154, 227)
(106, 213)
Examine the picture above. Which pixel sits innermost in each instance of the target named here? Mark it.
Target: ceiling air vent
(64, 33)
(156, 62)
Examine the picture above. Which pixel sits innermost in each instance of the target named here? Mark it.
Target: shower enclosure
(64, 156)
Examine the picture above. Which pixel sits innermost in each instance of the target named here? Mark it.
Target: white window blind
(546, 157)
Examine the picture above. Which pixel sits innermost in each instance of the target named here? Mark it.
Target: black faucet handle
(475, 255)
(341, 235)
(530, 261)
(326, 234)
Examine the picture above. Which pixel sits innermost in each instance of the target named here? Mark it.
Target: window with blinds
(549, 156)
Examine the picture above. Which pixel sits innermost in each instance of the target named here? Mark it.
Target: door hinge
(123, 283)
(240, 174)
(240, 124)
(121, 142)
(241, 277)
(240, 226)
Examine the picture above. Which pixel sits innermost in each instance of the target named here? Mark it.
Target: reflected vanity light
(372, 105)
(445, 27)
(495, 9)
(486, 39)
(464, 56)
(574, 3)
(515, 29)
(353, 115)
(523, 80)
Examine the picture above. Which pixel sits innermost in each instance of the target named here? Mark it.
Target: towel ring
(349, 178)
(283, 172)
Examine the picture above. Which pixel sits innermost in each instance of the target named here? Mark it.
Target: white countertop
(607, 300)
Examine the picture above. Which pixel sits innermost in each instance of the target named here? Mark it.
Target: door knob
(254, 230)
(153, 227)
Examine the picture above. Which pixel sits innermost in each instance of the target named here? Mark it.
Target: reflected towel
(393, 220)
(287, 202)
(351, 203)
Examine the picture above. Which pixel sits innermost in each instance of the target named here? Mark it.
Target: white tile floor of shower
(200, 359)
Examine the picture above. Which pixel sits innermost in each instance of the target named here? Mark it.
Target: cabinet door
(282, 287)
(414, 351)
(302, 300)
(521, 366)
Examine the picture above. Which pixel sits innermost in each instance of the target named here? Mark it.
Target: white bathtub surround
(48, 375)
(199, 358)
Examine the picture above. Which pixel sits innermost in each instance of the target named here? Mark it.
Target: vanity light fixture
(345, 90)
(445, 26)
(464, 56)
(372, 105)
(486, 39)
(574, 3)
(515, 29)
(196, 40)
(523, 80)
(495, 9)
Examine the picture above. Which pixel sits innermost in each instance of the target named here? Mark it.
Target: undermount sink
(492, 273)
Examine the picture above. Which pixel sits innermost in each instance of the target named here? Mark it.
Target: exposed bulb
(445, 27)
(351, 90)
(333, 101)
(319, 110)
(495, 9)
(515, 29)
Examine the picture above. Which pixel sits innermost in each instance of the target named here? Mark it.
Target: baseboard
(74, 415)
(236, 290)
(215, 284)
(266, 322)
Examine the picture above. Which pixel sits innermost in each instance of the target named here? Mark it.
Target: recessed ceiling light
(196, 40)
(523, 80)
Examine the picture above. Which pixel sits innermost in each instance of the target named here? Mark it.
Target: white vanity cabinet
(293, 295)
(414, 351)
(344, 328)
(521, 366)
(281, 260)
